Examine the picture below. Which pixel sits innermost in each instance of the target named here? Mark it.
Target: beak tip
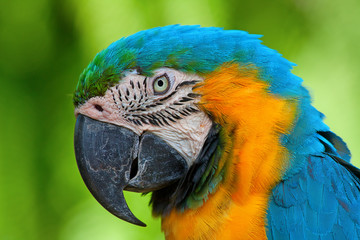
(133, 220)
(141, 224)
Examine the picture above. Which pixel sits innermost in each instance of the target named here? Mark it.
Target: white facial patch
(163, 104)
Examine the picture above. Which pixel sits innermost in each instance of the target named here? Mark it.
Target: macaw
(216, 126)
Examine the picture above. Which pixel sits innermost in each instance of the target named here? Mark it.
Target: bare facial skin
(162, 104)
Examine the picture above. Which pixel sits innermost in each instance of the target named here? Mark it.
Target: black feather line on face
(114, 99)
(120, 95)
(144, 120)
(176, 116)
(172, 114)
(171, 119)
(136, 113)
(185, 99)
(145, 83)
(153, 122)
(184, 113)
(187, 83)
(167, 97)
(193, 95)
(191, 109)
(166, 122)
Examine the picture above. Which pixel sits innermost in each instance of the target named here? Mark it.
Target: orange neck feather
(253, 121)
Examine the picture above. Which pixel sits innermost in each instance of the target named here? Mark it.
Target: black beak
(112, 158)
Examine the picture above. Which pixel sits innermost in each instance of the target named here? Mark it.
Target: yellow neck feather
(253, 120)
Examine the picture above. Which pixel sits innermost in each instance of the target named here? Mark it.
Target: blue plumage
(319, 196)
(199, 50)
(321, 201)
(189, 49)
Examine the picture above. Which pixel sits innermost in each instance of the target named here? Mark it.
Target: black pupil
(160, 83)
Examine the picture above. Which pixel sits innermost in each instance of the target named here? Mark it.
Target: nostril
(134, 168)
(98, 107)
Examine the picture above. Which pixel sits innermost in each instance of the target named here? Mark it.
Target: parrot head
(160, 111)
(142, 135)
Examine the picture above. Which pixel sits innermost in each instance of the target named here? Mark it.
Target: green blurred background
(44, 46)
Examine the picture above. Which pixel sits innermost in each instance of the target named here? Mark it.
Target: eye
(161, 84)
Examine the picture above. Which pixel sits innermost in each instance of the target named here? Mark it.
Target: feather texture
(187, 48)
(320, 202)
(281, 173)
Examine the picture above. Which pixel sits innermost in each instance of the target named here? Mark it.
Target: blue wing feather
(321, 201)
